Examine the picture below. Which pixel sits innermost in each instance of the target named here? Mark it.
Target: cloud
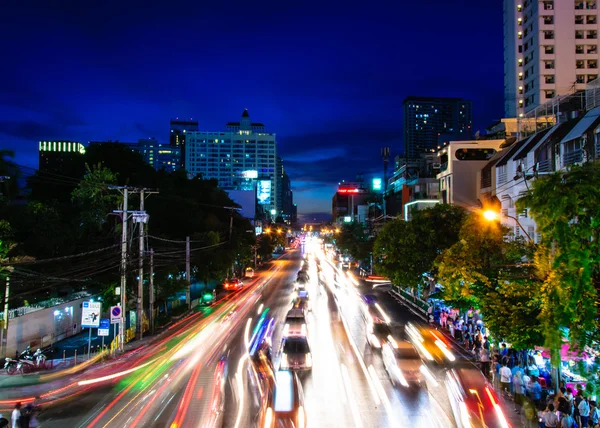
(32, 130)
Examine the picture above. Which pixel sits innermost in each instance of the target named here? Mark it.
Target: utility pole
(140, 293)
(4, 338)
(123, 270)
(151, 299)
(188, 291)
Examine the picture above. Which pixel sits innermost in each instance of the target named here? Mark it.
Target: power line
(54, 259)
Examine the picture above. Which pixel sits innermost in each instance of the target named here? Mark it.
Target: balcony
(549, 35)
(592, 50)
(592, 35)
(545, 166)
(579, 20)
(591, 19)
(576, 156)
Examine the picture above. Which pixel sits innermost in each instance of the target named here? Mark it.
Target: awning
(583, 125)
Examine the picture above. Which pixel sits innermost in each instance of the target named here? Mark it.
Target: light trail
(240, 382)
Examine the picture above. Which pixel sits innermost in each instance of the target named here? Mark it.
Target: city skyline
(333, 95)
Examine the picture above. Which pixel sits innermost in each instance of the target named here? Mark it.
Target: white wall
(43, 327)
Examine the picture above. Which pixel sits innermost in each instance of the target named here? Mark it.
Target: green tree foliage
(406, 251)
(354, 240)
(566, 208)
(94, 199)
(485, 270)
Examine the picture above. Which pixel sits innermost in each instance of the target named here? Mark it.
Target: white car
(403, 363)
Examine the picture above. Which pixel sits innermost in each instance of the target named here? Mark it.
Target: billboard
(263, 192)
(90, 314)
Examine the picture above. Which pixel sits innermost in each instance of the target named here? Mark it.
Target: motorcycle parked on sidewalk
(30, 363)
(10, 365)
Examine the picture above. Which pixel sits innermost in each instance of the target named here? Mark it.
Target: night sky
(329, 80)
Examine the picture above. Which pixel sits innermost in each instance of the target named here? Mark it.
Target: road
(198, 373)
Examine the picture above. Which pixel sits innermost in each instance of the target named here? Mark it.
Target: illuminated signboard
(250, 174)
(350, 190)
(377, 184)
(263, 192)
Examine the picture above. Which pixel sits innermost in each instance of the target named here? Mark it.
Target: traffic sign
(90, 314)
(104, 327)
(115, 314)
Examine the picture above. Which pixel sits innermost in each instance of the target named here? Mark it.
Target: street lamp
(267, 231)
(491, 215)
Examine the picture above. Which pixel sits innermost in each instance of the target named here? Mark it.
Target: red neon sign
(349, 190)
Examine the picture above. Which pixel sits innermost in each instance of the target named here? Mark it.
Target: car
(379, 334)
(403, 363)
(302, 301)
(431, 344)
(295, 323)
(284, 406)
(473, 400)
(249, 272)
(208, 297)
(233, 284)
(295, 355)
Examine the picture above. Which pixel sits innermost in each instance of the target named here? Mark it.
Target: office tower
(58, 157)
(426, 119)
(179, 130)
(550, 49)
(159, 156)
(243, 152)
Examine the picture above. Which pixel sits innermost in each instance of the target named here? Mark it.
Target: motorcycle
(29, 363)
(10, 366)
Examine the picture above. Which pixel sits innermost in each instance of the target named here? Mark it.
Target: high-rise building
(234, 156)
(177, 138)
(159, 156)
(284, 192)
(550, 49)
(426, 119)
(59, 156)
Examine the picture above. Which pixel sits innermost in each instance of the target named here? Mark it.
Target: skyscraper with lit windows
(550, 49)
(177, 137)
(243, 152)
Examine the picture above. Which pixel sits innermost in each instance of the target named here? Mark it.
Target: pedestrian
(563, 406)
(584, 412)
(505, 378)
(594, 414)
(15, 418)
(3, 421)
(519, 390)
(550, 419)
(486, 343)
(569, 396)
(536, 392)
(576, 402)
(484, 358)
(567, 421)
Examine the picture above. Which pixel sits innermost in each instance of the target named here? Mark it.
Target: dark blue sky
(328, 78)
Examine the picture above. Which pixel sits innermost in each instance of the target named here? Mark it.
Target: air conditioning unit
(437, 165)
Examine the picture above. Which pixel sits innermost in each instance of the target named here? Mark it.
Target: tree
(485, 270)
(9, 174)
(566, 209)
(406, 251)
(94, 199)
(354, 240)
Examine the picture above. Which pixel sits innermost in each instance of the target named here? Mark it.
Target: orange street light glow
(490, 215)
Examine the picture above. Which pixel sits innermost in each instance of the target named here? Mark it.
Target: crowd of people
(517, 375)
(23, 416)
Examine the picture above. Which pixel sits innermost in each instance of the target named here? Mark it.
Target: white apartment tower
(243, 152)
(550, 49)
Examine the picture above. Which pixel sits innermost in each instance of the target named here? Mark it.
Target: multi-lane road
(197, 373)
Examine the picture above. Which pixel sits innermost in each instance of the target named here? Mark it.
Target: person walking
(549, 418)
(519, 391)
(505, 378)
(15, 417)
(484, 358)
(584, 412)
(536, 392)
(567, 421)
(3, 421)
(594, 414)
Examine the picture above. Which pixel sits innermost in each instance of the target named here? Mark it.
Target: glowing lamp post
(491, 215)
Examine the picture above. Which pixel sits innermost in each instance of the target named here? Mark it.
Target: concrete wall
(44, 327)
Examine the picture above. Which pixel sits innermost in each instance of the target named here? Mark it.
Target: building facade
(177, 137)
(426, 119)
(159, 156)
(461, 163)
(232, 157)
(59, 156)
(550, 49)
